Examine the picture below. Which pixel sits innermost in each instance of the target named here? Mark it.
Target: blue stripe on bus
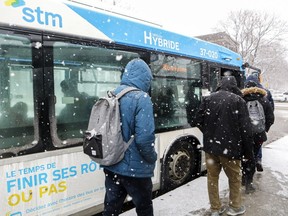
(127, 32)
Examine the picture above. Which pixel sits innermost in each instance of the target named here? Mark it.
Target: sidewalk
(270, 198)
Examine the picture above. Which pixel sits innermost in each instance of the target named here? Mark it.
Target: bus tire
(179, 165)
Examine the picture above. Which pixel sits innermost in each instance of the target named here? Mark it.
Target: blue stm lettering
(158, 41)
(42, 17)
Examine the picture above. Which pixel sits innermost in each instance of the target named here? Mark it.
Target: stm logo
(36, 15)
(15, 3)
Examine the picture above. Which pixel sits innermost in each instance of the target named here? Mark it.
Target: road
(280, 127)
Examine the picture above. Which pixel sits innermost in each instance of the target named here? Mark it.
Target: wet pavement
(270, 197)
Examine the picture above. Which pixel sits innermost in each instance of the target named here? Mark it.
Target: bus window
(175, 91)
(192, 99)
(82, 74)
(16, 90)
(215, 78)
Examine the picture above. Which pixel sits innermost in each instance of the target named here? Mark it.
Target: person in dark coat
(132, 175)
(255, 77)
(227, 134)
(250, 93)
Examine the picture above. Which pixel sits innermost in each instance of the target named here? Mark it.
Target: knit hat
(250, 84)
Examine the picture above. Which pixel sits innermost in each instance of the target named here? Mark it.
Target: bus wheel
(179, 165)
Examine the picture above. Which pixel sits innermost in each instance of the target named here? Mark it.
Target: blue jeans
(259, 155)
(117, 188)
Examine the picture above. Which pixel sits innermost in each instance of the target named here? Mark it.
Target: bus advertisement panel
(50, 185)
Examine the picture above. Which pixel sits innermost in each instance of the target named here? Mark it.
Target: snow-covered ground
(276, 156)
(192, 198)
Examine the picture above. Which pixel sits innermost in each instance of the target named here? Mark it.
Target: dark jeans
(117, 188)
(259, 155)
(249, 166)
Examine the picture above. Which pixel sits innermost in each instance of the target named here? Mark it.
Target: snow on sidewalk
(190, 197)
(275, 155)
(193, 196)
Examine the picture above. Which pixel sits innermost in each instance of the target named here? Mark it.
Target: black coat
(256, 93)
(224, 120)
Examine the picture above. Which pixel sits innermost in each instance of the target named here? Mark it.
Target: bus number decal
(208, 53)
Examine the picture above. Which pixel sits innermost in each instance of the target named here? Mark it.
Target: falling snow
(192, 198)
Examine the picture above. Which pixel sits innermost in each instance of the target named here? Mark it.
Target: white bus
(56, 59)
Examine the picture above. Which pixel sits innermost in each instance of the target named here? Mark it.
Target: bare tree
(260, 38)
(274, 66)
(253, 30)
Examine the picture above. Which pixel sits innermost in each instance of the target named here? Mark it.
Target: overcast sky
(196, 17)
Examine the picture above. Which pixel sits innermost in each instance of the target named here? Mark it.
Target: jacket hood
(254, 91)
(254, 79)
(138, 74)
(229, 83)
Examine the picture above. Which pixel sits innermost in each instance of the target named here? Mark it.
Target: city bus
(57, 58)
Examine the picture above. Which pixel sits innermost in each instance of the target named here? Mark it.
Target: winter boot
(249, 188)
(236, 211)
(218, 213)
(259, 166)
(243, 182)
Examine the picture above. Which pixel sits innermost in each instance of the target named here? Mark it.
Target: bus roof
(87, 21)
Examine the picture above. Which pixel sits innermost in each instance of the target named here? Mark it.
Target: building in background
(221, 38)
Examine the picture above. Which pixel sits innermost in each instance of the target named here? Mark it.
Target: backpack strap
(130, 141)
(119, 95)
(126, 90)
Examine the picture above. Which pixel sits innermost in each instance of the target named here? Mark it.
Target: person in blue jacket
(255, 77)
(132, 175)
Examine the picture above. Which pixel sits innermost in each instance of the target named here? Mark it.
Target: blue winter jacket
(138, 120)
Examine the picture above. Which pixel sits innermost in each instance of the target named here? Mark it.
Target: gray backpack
(257, 116)
(103, 140)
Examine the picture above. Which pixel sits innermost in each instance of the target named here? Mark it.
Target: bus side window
(73, 106)
(192, 101)
(167, 101)
(16, 91)
(17, 115)
(79, 80)
(215, 78)
(76, 107)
